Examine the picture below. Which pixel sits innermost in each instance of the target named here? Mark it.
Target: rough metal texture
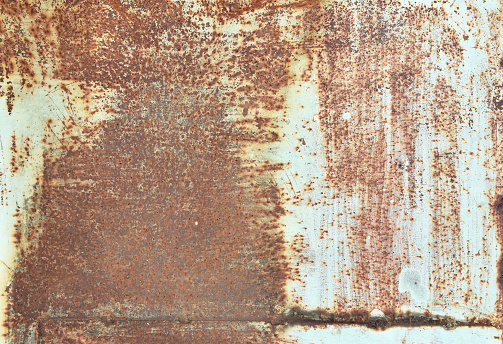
(246, 171)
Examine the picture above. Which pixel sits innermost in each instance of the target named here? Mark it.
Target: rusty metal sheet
(181, 171)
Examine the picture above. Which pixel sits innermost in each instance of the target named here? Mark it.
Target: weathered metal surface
(359, 335)
(154, 331)
(223, 167)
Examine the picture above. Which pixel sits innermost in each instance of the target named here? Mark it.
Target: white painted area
(417, 335)
(377, 313)
(28, 118)
(410, 280)
(302, 149)
(475, 175)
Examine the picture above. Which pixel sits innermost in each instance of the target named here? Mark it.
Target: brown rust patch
(156, 213)
(166, 225)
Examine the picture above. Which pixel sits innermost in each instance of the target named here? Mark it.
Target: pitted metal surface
(250, 171)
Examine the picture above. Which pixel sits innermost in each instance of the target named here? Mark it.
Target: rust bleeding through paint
(158, 196)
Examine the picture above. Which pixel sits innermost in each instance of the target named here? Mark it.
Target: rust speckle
(10, 99)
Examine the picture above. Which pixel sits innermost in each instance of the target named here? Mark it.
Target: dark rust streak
(301, 318)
